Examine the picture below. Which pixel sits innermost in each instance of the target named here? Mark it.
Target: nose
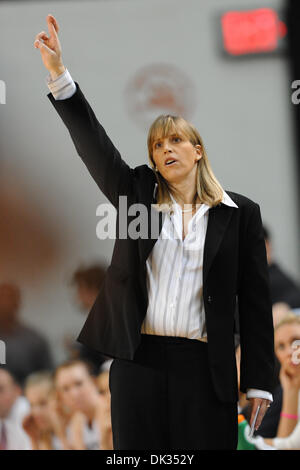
(166, 147)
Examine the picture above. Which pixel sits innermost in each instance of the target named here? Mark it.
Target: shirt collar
(226, 200)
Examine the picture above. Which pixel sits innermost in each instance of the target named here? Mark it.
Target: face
(39, 398)
(75, 388)
(284, 338)
(180, 149)
(9, 392)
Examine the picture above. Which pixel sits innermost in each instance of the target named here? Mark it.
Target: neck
(186, 200)
(184, 192)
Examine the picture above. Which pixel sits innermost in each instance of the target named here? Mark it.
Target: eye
(177, 139)
(157, 144)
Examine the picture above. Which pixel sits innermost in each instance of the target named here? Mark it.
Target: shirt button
(209, 299)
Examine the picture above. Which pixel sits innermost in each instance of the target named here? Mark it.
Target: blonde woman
(45, 425)
(287, 349)
(165, 311)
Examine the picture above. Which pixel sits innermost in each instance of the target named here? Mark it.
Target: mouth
(170, 161)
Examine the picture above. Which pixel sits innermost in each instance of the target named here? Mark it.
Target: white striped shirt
(174, 276)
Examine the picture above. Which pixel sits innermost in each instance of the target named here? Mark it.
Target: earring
(156, 168)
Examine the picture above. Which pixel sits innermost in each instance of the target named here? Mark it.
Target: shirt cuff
(255, 393)
(62, 87)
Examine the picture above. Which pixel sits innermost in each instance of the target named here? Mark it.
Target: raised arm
(111, 173)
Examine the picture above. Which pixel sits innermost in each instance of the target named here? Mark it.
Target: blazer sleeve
(103, 161)
(255, 310)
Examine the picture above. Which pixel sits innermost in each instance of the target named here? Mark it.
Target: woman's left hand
(264, 406)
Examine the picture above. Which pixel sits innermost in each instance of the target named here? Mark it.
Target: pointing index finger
(52, 25)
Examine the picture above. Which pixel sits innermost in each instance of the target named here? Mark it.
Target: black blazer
(234, 265)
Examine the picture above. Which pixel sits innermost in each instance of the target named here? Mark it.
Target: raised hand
(50, 48)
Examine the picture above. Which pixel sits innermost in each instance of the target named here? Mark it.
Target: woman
(44, 424)
(165, 311)
(287, 349)
(77, 391)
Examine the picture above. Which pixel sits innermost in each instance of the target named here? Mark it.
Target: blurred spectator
(44, 425)
(286, 394)
(77, 391)
(13, 408)
(26, 349)
(286, 333)
(283, 288)
(279, 310)
(270, 422)
(106, 429)
(87, 282)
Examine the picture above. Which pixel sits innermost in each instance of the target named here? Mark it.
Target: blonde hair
(208, 188)
(41, 377)
(71, 363)
(288, 319)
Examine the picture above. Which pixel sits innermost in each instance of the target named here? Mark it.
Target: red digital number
(251, 31)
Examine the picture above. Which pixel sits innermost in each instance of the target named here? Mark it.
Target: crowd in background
(67, 406)
(49, 406)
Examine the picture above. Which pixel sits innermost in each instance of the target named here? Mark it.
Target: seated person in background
(44, 425)
(287, 335)
(77, 391)
(13, 408)
(106, 429)
(26, 350)
(283, 288)
(270, 422)
(87, 282)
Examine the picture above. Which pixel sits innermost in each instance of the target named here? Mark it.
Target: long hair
(208, 188)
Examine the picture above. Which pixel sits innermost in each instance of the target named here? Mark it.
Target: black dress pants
(164, 399)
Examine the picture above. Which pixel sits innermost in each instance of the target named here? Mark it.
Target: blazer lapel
(145, 245)
(218, 220)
